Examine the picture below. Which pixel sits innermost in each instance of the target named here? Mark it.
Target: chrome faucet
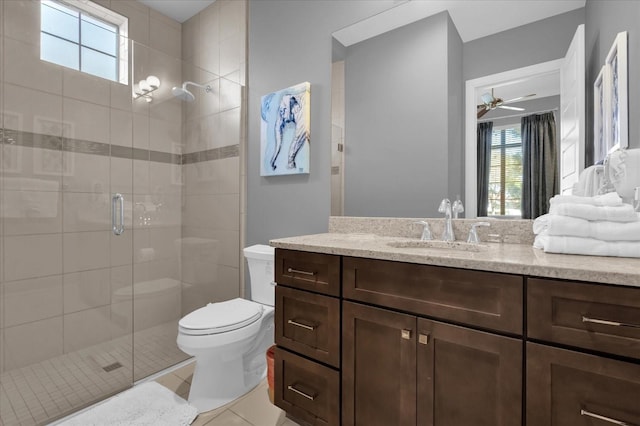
(445, 207)
(426, 232)
(457, 207)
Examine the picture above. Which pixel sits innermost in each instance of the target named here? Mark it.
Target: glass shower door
(66, 325)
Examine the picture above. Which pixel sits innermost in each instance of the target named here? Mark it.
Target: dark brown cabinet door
(571, 388)
(467, 377)
(379, 367)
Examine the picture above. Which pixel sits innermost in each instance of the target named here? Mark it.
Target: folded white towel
(622, 213)
(576, 227)
(586, 246)
(610, 199)
(589, 181)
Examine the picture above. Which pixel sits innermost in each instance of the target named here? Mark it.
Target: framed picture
(600, 114)
(618, 112)
(284, 131)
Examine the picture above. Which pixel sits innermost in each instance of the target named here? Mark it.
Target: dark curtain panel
(539, 163)
(484, 163)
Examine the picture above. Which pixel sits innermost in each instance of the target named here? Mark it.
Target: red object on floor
(270, 372)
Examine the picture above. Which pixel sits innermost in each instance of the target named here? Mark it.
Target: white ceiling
(180, 10)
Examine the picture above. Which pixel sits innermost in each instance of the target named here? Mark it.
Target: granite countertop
(510, 258)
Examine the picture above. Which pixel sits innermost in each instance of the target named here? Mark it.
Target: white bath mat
(147, 404)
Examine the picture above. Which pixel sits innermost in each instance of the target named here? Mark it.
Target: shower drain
(109, 368)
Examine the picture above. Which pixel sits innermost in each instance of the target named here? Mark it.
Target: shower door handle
(117, 225)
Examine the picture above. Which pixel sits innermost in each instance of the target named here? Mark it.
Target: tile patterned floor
(35, 394)
(252, 409)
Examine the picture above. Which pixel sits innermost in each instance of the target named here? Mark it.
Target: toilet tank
(260, 259)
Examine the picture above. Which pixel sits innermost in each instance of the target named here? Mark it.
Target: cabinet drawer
(571, 388)
(308, 323)
(308, 271)
(592, 316)
(482, 299)
(306, 390)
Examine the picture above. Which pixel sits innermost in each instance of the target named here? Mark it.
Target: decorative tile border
(59, 143)
(211, 154)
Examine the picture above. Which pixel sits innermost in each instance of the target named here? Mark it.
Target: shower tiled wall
(214, 40)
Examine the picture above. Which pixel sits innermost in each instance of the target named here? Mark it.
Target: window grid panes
(77, 40)
(505, 178)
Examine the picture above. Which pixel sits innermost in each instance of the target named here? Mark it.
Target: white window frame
(500, 128)
(112, 18)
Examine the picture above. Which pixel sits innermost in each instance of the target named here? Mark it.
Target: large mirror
(401, 100)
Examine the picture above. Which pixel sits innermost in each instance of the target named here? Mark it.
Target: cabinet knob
(406, 334)
(423, 339)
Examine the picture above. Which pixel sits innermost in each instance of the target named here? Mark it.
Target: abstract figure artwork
(284, 131)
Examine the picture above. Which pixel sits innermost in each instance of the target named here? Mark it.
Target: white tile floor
(252, 409)
(38, 393)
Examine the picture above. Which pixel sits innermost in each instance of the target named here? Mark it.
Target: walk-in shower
(183, 94)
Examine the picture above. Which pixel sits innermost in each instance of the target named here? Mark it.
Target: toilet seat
(221, 317)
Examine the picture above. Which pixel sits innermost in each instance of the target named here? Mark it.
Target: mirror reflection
(406, 107)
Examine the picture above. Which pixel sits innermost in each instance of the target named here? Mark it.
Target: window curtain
(539, 163)
(485, 130)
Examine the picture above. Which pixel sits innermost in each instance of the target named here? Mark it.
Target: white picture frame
(618, 93)
(600, 114)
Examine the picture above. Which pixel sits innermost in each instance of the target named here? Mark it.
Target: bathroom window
(84, 36)
(505, 179)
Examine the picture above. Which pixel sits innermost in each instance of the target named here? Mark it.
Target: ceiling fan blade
(482, 112)
(518, 98)
(511, 108)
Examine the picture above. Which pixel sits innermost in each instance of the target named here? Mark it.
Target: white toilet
(229, 339)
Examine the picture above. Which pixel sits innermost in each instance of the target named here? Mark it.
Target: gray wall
(540, 41)
(397, 120)
(455, 98)
(604, 20)
(290, 42)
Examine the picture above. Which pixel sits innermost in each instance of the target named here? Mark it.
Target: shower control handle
(117, 220)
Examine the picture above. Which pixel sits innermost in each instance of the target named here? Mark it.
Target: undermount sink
(435, 244)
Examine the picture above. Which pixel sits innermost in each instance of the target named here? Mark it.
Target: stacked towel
(599, 226)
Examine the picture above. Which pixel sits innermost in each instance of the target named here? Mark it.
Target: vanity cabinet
(589, 384)
(401, 369)
(566, 387)
(307, 332)
(440, 373)
(368, 342)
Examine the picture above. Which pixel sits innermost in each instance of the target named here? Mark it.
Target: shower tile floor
(34, 394)
(252, 409)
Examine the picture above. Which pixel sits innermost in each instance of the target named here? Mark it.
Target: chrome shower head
(185, 95)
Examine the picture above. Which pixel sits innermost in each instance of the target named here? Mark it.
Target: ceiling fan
(490, 102)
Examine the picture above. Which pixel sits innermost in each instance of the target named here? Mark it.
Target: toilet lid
(221, 317)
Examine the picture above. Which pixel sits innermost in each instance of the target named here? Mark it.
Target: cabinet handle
(299, 392)
(607, 322)
(604, 418)
(423, 339)
(299, 324)
(406, 334)
(297, 271)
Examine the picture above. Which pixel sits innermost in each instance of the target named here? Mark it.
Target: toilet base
(217, 382)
